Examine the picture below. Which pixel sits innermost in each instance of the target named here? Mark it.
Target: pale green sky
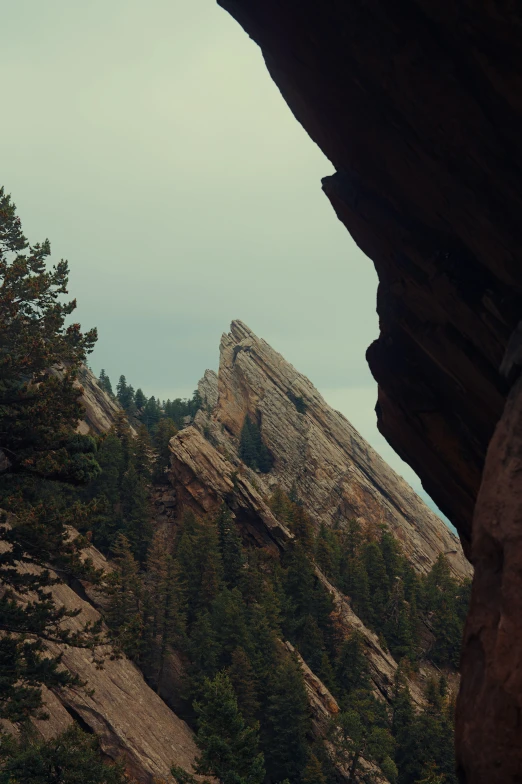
(148, 142)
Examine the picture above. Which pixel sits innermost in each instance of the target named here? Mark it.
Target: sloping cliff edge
(417, 104)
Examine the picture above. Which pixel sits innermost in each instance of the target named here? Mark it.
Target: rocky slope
(317, 454)
(131, 721)
(316, 450)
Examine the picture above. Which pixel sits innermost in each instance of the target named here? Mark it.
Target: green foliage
(178, 409)
(229, 747)
(104, 382)
(39, 407)
(252, 450)
(230, 547)
(71, 758)
(298, 402)
(287, 723)
(40, 455)
(164, 431)
(125, 395)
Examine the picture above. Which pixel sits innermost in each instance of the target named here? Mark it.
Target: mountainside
(315, 450)
(278, 558)
(417, 106)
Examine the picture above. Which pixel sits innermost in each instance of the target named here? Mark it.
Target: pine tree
(230, 546)
(200, 567)
(313, 773)
(140, 400)
(136, 513)
(125, 394)
(151, 413)
(142, 455)
(287, 720)
(73, 757)
(124, 588)
(165, 624)
(229, 748)
(40, 359)
(105, 382)
(351, 668)
(242, 677)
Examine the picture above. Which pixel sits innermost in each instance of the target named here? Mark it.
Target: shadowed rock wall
(418, 104)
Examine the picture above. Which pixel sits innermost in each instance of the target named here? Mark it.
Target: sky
(149, 144)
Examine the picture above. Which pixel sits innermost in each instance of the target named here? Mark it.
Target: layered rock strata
(417, 105)
(316, 451)
(317, 455)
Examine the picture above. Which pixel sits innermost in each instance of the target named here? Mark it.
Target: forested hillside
(203, 607)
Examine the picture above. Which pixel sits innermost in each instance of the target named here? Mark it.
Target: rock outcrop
(101, 409)
(316, 454)
(417, 106)
(131, 722)
(315, 450)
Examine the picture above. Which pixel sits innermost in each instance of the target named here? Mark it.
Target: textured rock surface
(203, 478)
(318, 451)
(129, 719)
(492, 658)
(417, 105)
(208, 388)
(100, 408)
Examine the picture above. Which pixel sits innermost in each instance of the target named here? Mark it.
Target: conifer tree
(125, 394)
(105, 382)
(142, 454)
(229, 748)
(140, 400)
(230, 546)
(242, 677)
(200, 567)
(313, 773)
(136, 513)
(287, 720)
(40, 406)
(124, 588)
(73, 757)
(165, 623)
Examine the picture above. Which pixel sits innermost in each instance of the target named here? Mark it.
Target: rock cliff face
(315, 450)
(318, 455)
(100, 408)
(417, 105)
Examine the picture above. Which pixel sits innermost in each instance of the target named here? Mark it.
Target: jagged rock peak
(208, 388)
(317, 451)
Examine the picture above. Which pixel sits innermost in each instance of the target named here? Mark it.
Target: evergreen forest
(239, 619)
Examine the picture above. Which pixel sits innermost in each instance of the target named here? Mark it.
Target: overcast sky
(148, 142)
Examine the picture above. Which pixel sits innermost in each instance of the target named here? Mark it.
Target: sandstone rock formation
(129, 718)
(316, 450)
(417, 106)
(131, 722)
(317, 454)
(100, 408)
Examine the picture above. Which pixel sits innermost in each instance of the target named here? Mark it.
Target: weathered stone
(417, 106)
(316, 451)
(208, 388)
(101, 409)
(489, 731)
